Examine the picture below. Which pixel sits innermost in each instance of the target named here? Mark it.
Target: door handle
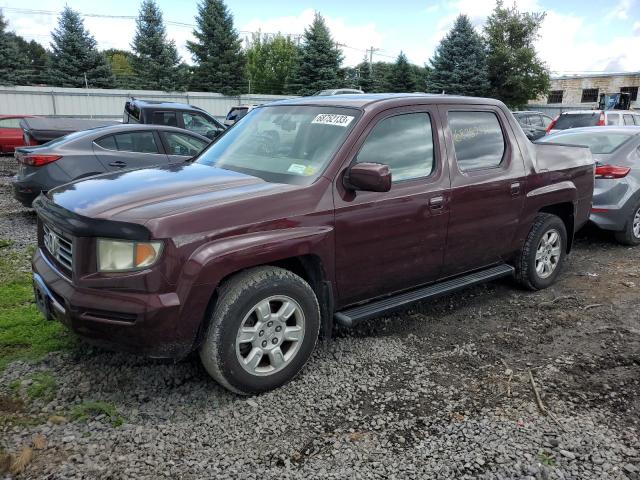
(118, 163)
(515, 188)
(436, 203)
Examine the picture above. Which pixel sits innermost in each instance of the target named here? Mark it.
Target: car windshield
(282, 144)
(598, 142)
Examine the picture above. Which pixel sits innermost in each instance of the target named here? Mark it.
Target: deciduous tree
(516, 73)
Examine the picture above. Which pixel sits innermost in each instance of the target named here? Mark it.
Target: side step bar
(351, 316)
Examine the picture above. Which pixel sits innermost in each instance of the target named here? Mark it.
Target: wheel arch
(309, 267)
(566, 212)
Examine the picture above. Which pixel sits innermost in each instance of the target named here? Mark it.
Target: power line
(294, 36)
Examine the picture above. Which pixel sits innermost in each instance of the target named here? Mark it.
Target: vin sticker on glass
(333, 119)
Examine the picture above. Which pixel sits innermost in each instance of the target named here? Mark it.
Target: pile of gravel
(17, 223)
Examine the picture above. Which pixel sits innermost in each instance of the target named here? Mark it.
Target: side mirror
(370, 177)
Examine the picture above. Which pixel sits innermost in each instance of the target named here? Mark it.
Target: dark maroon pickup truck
(309, 211)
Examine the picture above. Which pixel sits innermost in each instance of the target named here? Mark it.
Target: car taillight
(552, 124)
(611, 171)
(601, 122)
(37, 160)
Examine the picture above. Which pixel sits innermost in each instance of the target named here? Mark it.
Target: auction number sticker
(333, 119)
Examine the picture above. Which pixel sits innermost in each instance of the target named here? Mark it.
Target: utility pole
(371, 51)
(86, 85)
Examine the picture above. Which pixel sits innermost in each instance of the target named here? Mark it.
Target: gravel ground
(438, 391)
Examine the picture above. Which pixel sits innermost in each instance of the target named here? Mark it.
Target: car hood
(139, 195)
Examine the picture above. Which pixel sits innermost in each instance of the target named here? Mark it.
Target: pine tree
(459, 66)
(320, 59)
(156, 62)
(217, 51)
(12, 65)
(403, 76)
(74, 55)
(516, 73)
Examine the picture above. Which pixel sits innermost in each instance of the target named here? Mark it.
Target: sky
(577, 35)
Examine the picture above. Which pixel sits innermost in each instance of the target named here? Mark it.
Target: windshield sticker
(297, 169)
(333, 119)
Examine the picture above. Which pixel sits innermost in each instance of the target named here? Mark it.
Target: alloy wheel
(548, 253)
(270, 335)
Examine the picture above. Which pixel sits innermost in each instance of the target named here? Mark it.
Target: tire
(630, 236)
(288, 309)
(538, 273)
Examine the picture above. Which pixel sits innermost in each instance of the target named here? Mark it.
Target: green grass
(4, 243)
(88, 410)
(44, 387)
(547, 458)
(24, 333)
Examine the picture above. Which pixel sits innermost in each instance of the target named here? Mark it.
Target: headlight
(121, 255)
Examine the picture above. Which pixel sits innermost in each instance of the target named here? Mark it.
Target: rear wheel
(631, 233)
(262, 331)
(542, 255)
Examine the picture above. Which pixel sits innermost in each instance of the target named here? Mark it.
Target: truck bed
(41, 130)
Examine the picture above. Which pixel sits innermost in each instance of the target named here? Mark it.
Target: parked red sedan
(11, 133)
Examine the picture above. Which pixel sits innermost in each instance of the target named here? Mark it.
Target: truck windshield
(283, 144)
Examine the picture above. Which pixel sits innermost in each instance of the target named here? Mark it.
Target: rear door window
(404, 143)
(628, 119)
(546, 121)
(478, 141)
(613, 119)
(141, 142)
(574, 120)
(165, 118)
(535, 120)
(108, 143)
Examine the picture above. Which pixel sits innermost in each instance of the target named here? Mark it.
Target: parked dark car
(616, 195)
(534, 124)
(11, 133)
(172, 114)
(40, 130)
(100, 150)
(306, 211)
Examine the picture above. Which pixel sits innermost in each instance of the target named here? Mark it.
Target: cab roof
(367, 100)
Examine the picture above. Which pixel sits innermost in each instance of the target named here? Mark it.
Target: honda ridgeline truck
(308, 212)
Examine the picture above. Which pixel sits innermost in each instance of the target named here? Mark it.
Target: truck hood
(140, 195)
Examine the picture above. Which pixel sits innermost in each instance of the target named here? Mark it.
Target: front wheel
(262, 331)
(543, 252)
(631, 234)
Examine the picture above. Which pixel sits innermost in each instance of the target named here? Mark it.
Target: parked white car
(593, 118)
(236, 113)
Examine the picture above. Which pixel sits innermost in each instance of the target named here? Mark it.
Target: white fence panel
(102, 103)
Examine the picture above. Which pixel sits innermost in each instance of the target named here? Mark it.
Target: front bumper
(142, 323)
(25, 192)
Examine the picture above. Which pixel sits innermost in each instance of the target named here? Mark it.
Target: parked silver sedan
(616, 194)
(99, 150)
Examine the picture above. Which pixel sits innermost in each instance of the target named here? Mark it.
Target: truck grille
(58, 246)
